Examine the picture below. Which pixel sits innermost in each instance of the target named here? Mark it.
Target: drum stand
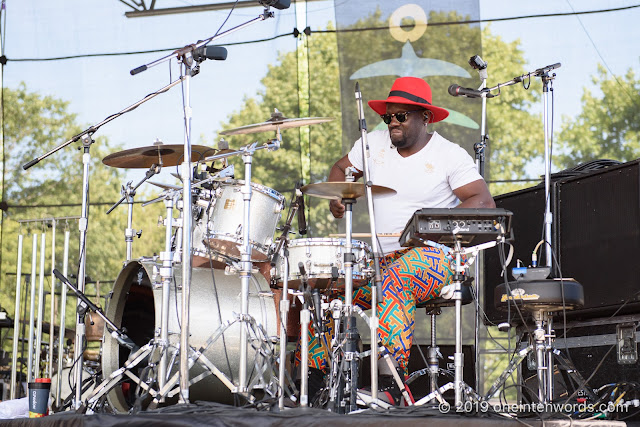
(128, 193)
(245, 272)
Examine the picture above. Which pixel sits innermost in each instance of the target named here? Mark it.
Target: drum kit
(234, 224)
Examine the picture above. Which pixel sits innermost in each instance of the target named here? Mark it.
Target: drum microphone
(455, 90)
(217, 53)
(302, 220)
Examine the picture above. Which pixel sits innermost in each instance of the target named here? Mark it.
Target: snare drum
(319, 256)
(225, 215)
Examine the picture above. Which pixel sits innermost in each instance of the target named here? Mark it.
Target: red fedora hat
(410, 90)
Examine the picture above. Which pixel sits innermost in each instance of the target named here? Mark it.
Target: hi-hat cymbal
(344, 190)
(145, 157)
(277, 121)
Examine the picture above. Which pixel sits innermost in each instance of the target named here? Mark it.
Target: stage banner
(380, 40)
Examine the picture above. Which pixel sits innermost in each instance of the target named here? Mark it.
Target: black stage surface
(208, 414)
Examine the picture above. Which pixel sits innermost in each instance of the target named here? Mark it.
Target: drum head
(215, 300)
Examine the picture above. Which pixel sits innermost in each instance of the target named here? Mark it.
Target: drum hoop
(258, 187)
(327, 241)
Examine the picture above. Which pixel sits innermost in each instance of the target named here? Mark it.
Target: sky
(99, 86)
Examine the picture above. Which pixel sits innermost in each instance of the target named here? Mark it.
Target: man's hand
(336, 208)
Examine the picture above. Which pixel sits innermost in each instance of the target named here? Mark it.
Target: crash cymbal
(277, 121)
(344, 190)
(145, 157)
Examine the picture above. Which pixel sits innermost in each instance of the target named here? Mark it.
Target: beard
(398, 141)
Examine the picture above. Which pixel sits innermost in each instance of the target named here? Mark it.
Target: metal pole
(186, 241)
(480, 161)
(245, 273)
(82, 226)
(548, 216)
(63, 313)
(129, 232)
(166, 273)
(16, 323)
(376, 289)
(458, 357)
(32, 309)
(284, 313)
(38, 348)
(52, 319)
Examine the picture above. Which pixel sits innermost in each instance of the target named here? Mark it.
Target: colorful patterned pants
(410, 276)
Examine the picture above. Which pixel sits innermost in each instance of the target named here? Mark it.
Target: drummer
(427, 171)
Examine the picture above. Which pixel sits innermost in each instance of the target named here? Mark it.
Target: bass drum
(214, 298)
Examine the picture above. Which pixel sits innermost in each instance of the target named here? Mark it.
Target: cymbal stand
(347, 370)
(245, 272)
(128, 192)
(166, 275)
(376, 291)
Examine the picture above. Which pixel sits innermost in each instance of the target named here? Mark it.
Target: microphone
(218, 53)
(302, 220)
(455, 90)
(278, 4)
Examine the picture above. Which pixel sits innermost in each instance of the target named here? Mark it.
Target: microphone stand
(376, 290)
(479, 148)
(283, 246)
(186, 56)
(547, 87)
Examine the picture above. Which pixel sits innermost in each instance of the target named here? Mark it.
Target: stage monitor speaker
(595, 238)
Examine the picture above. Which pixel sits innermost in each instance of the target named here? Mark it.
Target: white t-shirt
(425, 179)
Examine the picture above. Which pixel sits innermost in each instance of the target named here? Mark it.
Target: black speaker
(595, 238)
(598, 223)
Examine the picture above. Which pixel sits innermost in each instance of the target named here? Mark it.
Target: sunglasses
(401, 117)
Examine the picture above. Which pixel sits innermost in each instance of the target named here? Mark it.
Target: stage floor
(208, 414)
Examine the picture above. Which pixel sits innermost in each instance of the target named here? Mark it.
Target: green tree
(35, 124)
(607, 127)
(281, 169)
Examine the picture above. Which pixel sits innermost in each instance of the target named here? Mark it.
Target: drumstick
(366, 235)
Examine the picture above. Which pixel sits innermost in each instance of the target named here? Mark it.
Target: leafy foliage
(607, 127)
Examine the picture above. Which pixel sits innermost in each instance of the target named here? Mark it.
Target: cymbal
(145, 157)
(344, 190)
(165, 186)
(277, 121)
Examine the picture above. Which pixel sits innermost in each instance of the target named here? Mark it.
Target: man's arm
(338, 170)
(338, 174)
(475, 195)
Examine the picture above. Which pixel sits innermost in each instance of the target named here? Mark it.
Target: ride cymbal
(344, 190)
(277, 121)
(145, 157)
